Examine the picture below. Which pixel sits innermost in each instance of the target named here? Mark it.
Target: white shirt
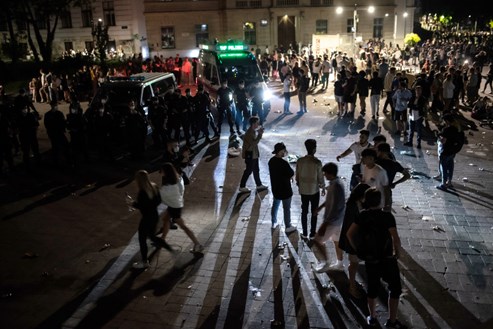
(172, 195)
(376, 177)
(287, 84)
(357, 149)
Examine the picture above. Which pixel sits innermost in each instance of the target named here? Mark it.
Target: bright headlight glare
(267, 94)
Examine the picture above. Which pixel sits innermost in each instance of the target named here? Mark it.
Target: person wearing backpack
(450, 142)
(374, 236)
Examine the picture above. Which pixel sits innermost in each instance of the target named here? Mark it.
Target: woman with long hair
(148, 198)
(172, 190)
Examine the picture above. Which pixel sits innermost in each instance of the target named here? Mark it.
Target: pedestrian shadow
(437, 296)
(212, 152)
(273, 123)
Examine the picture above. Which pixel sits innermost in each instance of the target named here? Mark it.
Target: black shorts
(400, 115)
(174, 213)
(388, 270)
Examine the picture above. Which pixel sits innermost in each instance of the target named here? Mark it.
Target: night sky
(458, 8)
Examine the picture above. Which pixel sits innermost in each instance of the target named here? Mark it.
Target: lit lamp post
(339, 10)
(405, 22)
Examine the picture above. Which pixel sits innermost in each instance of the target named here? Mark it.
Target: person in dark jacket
(77, 128)
(281, 175)
(136, 125)
(148, 199)
(55, 125)
(158, 115)
(28, 124)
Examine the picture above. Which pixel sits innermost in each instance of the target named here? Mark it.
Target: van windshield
(234, 71)
(120, 95)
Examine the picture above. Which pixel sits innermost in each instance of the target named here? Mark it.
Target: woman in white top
(171, 191)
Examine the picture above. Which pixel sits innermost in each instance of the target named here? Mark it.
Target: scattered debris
(314, 100)
(472, 164)
(406, 207)
(246, 218)
(438, 229)
(106, 246)
(278, 111)
(427, 218)
(87, 261)
(284, 257)
(474, 248)
(481, 169)
(465, 179)
(30, 255)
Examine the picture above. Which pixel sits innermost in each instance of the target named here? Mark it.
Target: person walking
(287, 93)
(310, 180)
(450, 140)
(375, 176)
(401, 98)
(354, 205)
(171, 192)
(418, 106)
(281, 175)
(251, 153)
(304, 85)
(148, 198)
(376, 87)
(383, 264)
(330, 229)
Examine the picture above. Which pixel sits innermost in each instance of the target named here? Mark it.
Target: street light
(370, 9)
(405, 17)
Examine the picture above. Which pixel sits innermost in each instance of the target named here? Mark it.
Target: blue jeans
(286, 206)
(446, 165)
(287, 101)
(415, 126)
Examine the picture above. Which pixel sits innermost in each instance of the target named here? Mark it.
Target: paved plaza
(68, 240)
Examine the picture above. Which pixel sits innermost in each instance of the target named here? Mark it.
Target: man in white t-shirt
(356, 148)
(374, 175)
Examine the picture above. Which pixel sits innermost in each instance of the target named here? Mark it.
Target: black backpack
(371, 241)
(459, 142)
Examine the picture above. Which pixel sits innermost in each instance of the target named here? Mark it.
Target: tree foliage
(35, 22)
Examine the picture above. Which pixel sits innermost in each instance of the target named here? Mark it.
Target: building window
(201, 34)
(287, 2)
(350, 25)
(250, 34)
(256, 4)
(109, 12)
(321, 2)
(378, 28)
(66, 18)
(89, 45)
(69, 46)
(241, 4)
(86, 11)
(167, 37)
(321, 26)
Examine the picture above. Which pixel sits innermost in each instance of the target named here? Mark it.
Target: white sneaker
(339, 266)
(290, 229)
(322, 268)
(274, 225)
(140, 265)
(244, 189)
(262, 187)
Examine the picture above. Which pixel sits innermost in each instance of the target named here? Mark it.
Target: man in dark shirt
(446, 153)
(392, 167)
(281, 175)
(225, 106)
(385, 265)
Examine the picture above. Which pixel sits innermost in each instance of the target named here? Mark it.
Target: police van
(231, 61)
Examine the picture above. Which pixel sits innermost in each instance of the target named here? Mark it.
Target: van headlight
(267, 95)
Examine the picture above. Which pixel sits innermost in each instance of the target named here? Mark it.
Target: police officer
(77, 128)
(258, 102)
(243, 111)
(101, 124)
(157, 118)
(225, 105)
(55, 125)
(204, 116)
(180, 110)
(28, 124)
(136, 130)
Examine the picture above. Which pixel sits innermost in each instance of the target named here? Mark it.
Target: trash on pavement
(106, 246)
(438, 229)
(465, 179)
(474, 248)
(427, 218)
(30, 255)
